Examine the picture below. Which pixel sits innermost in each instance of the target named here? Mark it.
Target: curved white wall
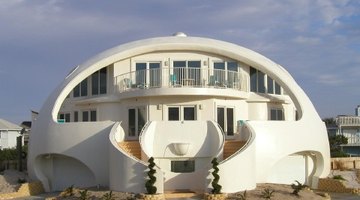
(87, 142)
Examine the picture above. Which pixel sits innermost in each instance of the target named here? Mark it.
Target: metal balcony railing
(348, 120)
(180, 77)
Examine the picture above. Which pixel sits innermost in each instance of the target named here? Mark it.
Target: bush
(339, 177)
(297, 188)
(149, 185)
(267, 193)
(216, 187)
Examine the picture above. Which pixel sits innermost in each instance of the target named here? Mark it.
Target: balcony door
(187, 73)
(148, 74)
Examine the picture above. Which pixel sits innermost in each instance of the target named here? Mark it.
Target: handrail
(347, 120)
(220, 150)
(180, 77)
(141, 135)
(250, 138)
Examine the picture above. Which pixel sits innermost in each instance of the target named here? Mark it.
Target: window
(225, 118)
(183, 166)
(99, 82)
(276, 114)
(76, 116)
(177, 113)
(64, 117)
(81, 89)
(89, 116)
(137, 120)
(272, 86)
(189, 113)
(174, 114)
(260, 82)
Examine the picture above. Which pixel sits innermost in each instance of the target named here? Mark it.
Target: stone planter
(153, 196)
(208, 196)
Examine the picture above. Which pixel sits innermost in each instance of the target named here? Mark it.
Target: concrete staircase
(131, 147)
(231, 146)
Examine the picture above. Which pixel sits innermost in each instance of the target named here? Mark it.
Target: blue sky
(317, 41)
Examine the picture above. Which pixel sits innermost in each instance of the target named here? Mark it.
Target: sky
(317, 41)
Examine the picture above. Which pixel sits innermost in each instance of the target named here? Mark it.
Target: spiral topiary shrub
(149, 185)
(216, 187)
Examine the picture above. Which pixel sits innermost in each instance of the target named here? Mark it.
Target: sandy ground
(9, 180)
(9, 183)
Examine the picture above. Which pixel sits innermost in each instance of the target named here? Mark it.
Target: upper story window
(99, 82)
(260, 82)
(187, 72)
(64, 117)
(81, 89)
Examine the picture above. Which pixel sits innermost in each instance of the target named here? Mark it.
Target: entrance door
(137, 120)
(225, 118)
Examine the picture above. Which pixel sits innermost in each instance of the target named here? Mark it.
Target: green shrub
(149, 185)
(216, 187)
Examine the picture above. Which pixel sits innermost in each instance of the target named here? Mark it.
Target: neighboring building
(8, 134)
(349, 126)
(182, 100)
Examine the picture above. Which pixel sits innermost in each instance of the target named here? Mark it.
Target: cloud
(329, 79)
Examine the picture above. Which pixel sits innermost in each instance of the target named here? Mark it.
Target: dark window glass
(276, 114)
(261, 82)
(230, 121)
(232, 66)
(183, 166)
(67, 117)
(189, 113)
(85, 116)
(220, 117)
(103, 81)
(277, 88)
(174, 114)
(194, 64)
(141, 119)
(95, 83)
(77, 91)
(93, 116)
(83, 88)
(132, 120)
(76, 116)
(219, 65)
(179, 63)
(61, 116)
(253, 80)
(270, 85)
(280, 115)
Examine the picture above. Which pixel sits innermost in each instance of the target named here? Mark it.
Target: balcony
(180, 77)
(348, 120)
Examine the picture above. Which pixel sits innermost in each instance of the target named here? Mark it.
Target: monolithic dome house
(184, 101)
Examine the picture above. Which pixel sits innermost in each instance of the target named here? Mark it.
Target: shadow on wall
(63, 171)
